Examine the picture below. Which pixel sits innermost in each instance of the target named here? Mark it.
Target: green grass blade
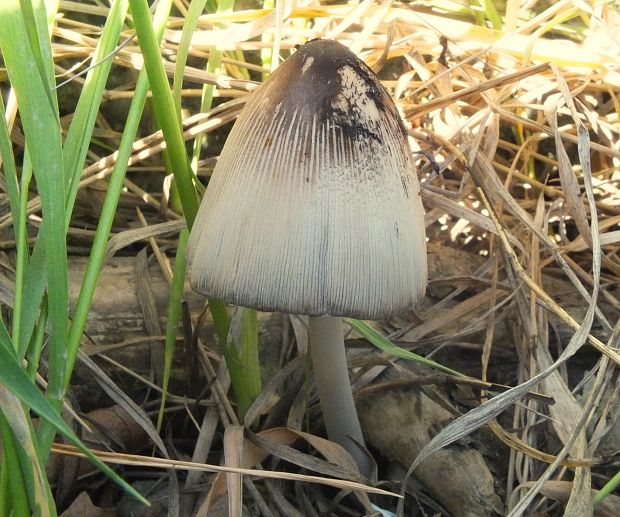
(175, 145)
(384, 344)
(213, 64)
(13, 495)
(35, 276)
(237, 373)
(74, 151)
(35, 348)
(7, 160)
(167, 117)
(206, 100)
(108, 211)
(191, 21)
(21, 259)
(220, 319)
(41, 125)
(476, 12)
(83, 120)
(18, 382)
(216, 307)
(491, 14)
(106, 219)
(552, 24)
(35, 26)
(34, 288)
(6, 338)
(609, 487)
(4, 484)
(249, 357)
(25, 450)
(174, 313)
(241, 354)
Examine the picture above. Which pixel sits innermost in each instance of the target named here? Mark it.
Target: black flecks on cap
(311, 80)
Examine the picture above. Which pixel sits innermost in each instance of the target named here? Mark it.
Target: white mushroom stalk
(314, 208)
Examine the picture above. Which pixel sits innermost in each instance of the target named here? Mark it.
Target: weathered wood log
(117, 322)
(400, 423)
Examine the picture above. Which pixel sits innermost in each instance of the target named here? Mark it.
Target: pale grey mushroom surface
(313, 207)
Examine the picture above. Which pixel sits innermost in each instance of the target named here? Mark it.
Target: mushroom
(314, 209)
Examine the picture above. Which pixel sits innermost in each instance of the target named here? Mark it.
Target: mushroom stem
(329, 362)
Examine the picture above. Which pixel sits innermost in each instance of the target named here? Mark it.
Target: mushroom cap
(313, 207)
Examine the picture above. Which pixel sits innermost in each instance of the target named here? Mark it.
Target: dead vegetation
(517, 129)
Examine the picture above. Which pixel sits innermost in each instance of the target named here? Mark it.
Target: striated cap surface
(313, 207)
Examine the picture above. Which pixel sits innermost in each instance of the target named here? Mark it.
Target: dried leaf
(570, 186)
(123, 239)
(233, 454)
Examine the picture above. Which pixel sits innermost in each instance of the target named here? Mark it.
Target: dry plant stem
(329, 362)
